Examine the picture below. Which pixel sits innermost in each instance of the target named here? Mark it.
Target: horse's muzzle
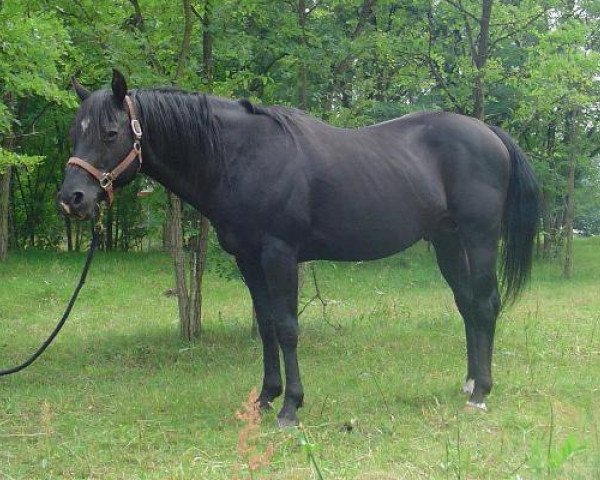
(77, 205)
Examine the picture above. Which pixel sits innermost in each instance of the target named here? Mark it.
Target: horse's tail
(520, 221)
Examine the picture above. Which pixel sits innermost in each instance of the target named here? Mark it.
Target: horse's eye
(111, 135)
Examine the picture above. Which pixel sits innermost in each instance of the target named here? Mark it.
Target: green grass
(119, 395)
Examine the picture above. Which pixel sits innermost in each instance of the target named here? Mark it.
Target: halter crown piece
(106, 179)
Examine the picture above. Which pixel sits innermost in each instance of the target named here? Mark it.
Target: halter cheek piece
(106, 179)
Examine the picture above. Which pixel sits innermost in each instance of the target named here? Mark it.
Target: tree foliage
(352, 62)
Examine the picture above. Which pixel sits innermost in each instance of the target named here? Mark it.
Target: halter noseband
(106, 179)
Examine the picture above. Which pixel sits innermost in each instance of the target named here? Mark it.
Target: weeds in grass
(381, 394)
(449, 464)
(526, 327)
(596, 437)
(46, 417)
(547, 459)
(309, 449)
(319, 296)
(550, 461)
(247, 446)
(595, 434)
(593, 334)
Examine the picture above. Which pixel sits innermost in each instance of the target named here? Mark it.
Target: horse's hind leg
(453, 263)
(470, 270)
(481, 248)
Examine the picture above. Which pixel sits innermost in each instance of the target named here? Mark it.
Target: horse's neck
(192, 177)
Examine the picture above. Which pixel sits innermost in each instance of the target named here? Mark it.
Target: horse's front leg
(279, 263)
(255, 281)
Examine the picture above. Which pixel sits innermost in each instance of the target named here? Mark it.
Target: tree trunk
(193, 326)
(69, 233)
(175, 205)
(302, 80)
(479, 97)
(175, 208)
(570, 142)
(480, 55)
(549, 232)
(190, 301)
(108, 231)
(208, 68)
(117, 235)
(199, 242)
(547, 225)
(4, 208)
(78, 236)
(569, 216)
(167, 235)
(339, 84)
(5, 177)
(186, 40)
(13, 231)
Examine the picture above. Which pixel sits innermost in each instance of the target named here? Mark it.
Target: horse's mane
(183, 121)
(288, 119)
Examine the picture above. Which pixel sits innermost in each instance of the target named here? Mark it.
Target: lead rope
(59, 325)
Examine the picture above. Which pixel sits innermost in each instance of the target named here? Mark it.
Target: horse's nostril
(76, 198)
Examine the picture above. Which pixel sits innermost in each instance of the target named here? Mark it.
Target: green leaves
(33, 52)
(357, 62)
(11, 159)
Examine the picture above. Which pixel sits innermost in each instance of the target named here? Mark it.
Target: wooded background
(532, 67)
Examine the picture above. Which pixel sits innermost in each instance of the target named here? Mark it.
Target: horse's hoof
(468, 386)
(285, 422)
(482, 407)
(265, 406)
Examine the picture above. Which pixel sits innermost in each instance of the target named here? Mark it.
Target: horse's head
(106, 148)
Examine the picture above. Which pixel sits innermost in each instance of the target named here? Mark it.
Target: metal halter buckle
(136, 127)
(106, 181)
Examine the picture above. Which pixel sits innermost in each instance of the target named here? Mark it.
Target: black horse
(281, 187)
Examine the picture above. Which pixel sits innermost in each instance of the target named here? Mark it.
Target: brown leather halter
(106, 179)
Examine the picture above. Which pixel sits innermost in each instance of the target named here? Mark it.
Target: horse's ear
(119, 86)
(80, 90)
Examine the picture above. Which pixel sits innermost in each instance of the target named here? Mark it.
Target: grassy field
(120, 396)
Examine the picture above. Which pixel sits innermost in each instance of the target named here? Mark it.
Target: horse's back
(377, 190)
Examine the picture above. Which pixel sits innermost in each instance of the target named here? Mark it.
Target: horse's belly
(366, 239)
(369, 209)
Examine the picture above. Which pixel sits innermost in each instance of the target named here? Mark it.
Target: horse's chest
(229, 241)
(237, 242)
